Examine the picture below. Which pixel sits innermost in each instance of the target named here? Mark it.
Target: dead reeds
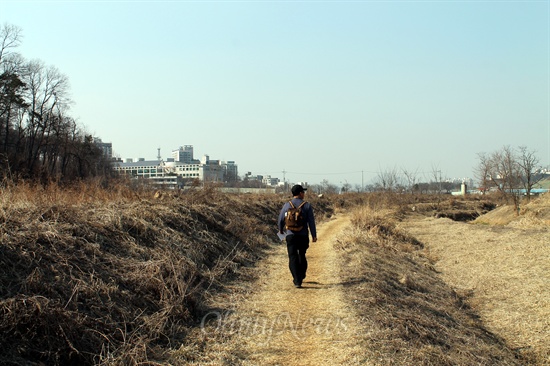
(410, 316)
(94, 276)
(120, 276)
(501, 261)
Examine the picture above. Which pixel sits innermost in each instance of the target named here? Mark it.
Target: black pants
(296, 246)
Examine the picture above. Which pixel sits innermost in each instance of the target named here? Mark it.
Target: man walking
(296, 220)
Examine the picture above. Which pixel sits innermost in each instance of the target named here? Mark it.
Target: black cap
(297, 189)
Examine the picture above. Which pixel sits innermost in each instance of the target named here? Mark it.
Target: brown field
(123, 277)
(501, 264)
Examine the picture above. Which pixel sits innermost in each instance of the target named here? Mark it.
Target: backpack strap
(301, 204)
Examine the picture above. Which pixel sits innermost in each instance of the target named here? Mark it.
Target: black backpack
(294, 217)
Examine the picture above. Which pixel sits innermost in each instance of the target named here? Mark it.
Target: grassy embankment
(471, 293)
(90, 276)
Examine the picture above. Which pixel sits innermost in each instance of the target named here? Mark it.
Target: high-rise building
(106, 147)
(184, 154)
(230, 171)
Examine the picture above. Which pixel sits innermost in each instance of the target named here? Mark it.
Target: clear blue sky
(320, 89)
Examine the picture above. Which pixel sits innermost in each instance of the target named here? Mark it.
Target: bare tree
(10, 38)
(502, 173)
(388, 179)
(11, 88)
(437, 178)
(11, 100)
(327, 188)
(528, 163)
(346, 187)
(38, 139)
(483, 172)
(48, 96)
(507, 170)
(411, 178)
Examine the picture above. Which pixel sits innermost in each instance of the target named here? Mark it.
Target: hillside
(94, 277)
(532, 214)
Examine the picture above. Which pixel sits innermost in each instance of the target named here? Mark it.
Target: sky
(303, 90)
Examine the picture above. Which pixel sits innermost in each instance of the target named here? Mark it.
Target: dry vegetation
(119, 277)
(270, 323)
(94, 276)
(411, 316)
(501, 262)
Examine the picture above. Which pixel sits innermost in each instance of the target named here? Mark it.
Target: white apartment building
(269, 181)
(181, 168)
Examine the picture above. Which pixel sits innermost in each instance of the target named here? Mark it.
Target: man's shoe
(297, 284)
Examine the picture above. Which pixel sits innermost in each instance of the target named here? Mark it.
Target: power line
(355, 172)
(342, 173)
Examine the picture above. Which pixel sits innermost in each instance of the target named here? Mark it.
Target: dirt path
(283, 325)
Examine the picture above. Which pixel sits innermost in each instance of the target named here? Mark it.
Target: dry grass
(502, 262)
(122, 276)
(94, 276)
(532, 214)
(412, 317)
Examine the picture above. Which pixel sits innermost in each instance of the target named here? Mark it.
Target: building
(106, 147)
(231, 173)
(182, 167)
(184, 154)
(269, 181)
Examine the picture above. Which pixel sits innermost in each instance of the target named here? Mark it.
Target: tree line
(512, 172)
(38, 137)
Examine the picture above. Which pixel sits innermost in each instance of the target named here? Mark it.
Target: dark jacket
(307, 211)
